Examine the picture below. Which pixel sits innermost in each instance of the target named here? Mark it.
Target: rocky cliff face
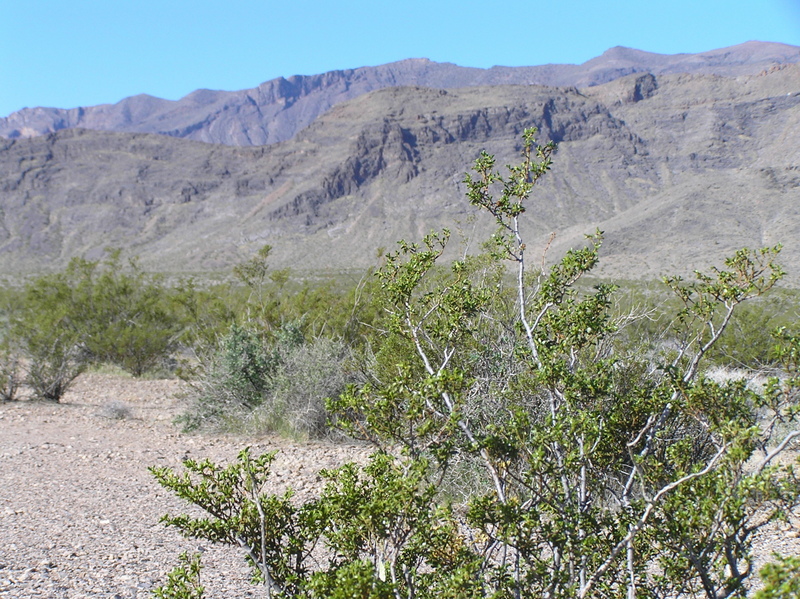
(276, 110)
(678, 170)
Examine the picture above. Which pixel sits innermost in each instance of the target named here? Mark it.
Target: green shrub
(747, 342)
(781, 579)
(92, 312)
(50, 337)
(10, 375)
(207, 314)
(603, 473)
(53, 369)
(184, 581)
(126, 316)
(363, 516)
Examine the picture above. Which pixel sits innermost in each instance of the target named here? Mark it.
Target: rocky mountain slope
(679, 170)
(276, 110)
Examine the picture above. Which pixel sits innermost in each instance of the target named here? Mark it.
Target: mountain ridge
(678, 169)
(278, 109)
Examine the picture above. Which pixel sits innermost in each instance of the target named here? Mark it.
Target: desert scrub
(92, 313)
(308, 373)
(601, 472)
(49, 337)
(126, 317)
(116, 410)
(257, 381)
(10, 374)
(232, 381)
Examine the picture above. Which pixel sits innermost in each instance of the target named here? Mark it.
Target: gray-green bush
(233, 381)
(257, 381)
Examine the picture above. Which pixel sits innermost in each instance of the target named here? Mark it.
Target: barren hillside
(678, 170)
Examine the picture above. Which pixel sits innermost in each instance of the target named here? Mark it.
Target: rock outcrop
(679, 170)
(276, 110)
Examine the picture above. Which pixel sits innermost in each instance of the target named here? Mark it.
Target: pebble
(80, 511)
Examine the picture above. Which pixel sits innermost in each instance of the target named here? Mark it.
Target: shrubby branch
(591, 469)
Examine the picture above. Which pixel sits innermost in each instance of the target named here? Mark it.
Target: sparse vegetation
(598, 469)
(259, 382)
(10, 375)
(116, 410)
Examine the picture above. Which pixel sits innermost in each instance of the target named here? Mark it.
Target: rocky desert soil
(79, 511)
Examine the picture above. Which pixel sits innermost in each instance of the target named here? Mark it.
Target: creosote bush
(92, 312)
(603, 472)
(50, 342)
(130, 318)
(10, 374)
(183, 582)
(781, 579)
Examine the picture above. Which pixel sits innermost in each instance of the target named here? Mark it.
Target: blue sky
(86, 52)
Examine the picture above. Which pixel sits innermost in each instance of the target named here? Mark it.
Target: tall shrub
(49, 335)
(127, 316)
(598, 473)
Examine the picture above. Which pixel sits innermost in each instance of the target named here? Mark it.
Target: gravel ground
(79, 512)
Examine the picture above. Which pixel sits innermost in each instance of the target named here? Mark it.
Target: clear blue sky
(69, 53)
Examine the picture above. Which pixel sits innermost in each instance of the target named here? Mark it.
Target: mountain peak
(278, 109)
